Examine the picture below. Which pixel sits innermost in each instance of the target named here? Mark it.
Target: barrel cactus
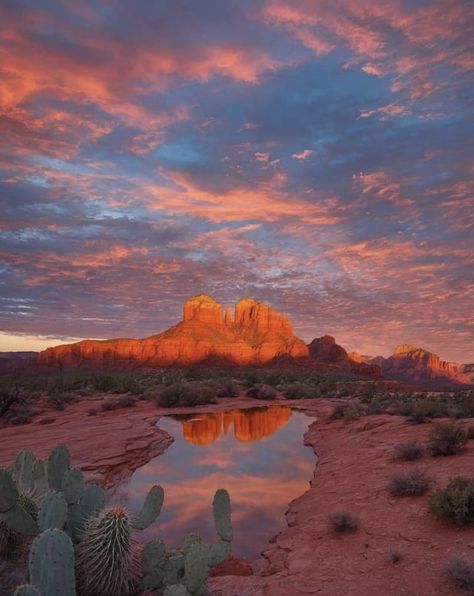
(107, 562)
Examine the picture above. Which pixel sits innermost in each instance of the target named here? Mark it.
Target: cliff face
(412, 364)
(255, 335)
(325, 349)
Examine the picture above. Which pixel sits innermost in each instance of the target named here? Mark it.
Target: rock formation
(256, 335)
(325, 349)
(416, 365)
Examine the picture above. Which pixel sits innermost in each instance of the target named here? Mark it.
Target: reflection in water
(251, 424)
(262, 463)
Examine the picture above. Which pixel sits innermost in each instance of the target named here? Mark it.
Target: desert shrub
(455, 502)
(470, 432)
(21, 417)
(92, 411)
(427, 408)
(262, 392)
(228, 389)
(341, 521)
(411, 483)
(126, 401)
(104, 383)
(346, 412)
(408, 451)
(186, 394)
(375, 407)
(297, 390)
(60, 400)
(461, 572)
(447, 438)
(395, 556)
(464, 408)
(109, 404)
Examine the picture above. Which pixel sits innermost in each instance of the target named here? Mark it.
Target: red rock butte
(256, 334)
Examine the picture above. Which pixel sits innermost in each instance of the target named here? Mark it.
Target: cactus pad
(222, 515)
(72, 485)
(56, 466)
(53, 512)
(8, 491)
(151, 508)
(52, 564)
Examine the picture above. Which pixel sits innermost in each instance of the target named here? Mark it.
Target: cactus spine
(107, 562)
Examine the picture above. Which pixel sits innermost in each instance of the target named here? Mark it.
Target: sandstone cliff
(416, 365)
(255, 335)
(325, 349)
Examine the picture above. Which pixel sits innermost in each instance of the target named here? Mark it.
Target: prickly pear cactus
(153, 557)
(12, 514)
(176, 590)
(51, 564)
(151, 508)
(57, 465)
(26, 590)
(53, 512)
(22, 470)
(107, 559)
(222, 515)
(72, 485)
(196, 567)
(91, 501)
(8, 491)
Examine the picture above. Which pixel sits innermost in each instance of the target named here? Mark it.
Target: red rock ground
(354, 467)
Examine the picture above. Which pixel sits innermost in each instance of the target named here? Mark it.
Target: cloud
(151, 152)
(303, 155)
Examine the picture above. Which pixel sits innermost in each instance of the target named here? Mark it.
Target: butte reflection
(252, 424)
(257, 454)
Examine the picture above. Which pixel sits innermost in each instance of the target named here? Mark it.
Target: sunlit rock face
(248, 425)
(256, 334)
(410, 363)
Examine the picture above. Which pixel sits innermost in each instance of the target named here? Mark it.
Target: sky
(313, 154)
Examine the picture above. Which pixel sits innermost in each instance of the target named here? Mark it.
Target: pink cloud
(303, 155)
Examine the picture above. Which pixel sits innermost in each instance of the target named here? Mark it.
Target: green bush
(228, 389)
(297, 390)
(447, 438)
(455, 502)
(346, 412)
(186, 394)
(262, 392)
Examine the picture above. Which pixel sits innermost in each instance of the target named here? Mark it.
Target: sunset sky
(314, 154)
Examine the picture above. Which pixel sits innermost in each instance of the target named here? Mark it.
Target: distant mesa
(416, 365)
(254, 334)
(248, 425)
